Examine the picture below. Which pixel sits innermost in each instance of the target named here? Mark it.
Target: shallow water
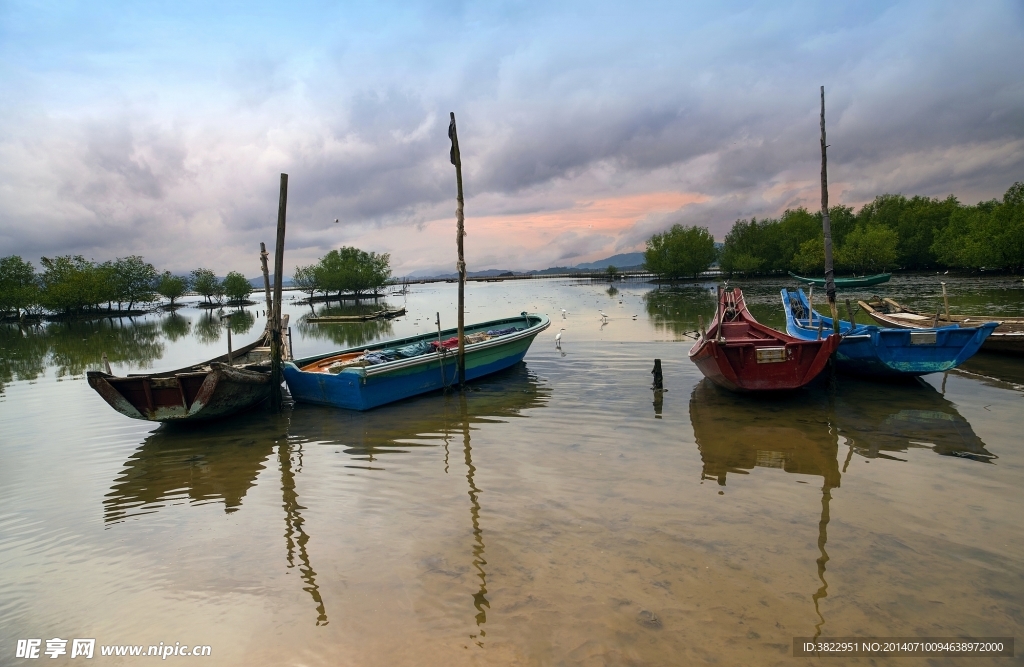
(557, 513)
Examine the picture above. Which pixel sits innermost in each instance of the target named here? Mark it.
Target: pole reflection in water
(739, 433)
(294, 535)
(480, 597)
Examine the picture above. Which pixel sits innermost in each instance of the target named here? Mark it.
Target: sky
(162, 128)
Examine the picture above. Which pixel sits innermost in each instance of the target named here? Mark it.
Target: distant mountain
(258, 281)
(619, 261)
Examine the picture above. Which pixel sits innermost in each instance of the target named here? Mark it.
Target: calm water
(554, 514)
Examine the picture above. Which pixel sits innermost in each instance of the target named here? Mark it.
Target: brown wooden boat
(739, 353)
(1008, 337)
(216, 388)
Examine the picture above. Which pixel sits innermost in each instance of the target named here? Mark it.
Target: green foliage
(988, 235)
(133, 280)
(916, 221)
(611, 271)
(868, 249)
(811, 258)
(18, 288)
(680, 252)
(770, 245)
(353, 270)
(71, 284)
(205, 283)
(237, 287)
(171, 286)
(307, 279)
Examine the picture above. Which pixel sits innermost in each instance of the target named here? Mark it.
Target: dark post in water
(826, 226)
(275, 315)
(460, 231)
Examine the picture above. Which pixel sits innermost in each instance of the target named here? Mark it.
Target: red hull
(741, 354)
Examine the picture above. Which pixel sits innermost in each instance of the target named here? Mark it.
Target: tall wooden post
(826, 226)
(460, 232)
(275, 326)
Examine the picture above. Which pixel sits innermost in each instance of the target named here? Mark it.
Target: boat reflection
(880, 420)
(366, 436)
(217, 464)
(443, 420)
(737, 433)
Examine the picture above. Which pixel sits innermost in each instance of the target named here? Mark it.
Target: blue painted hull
(872, 351)
(368, 387)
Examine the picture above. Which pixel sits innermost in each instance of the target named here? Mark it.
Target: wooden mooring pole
(826, 225)
(266, 281)
(460, 232)
(275, 313)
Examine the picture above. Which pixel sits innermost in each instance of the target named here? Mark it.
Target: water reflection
(346, 334)
(241, 321)
(676, 309)
(74, 347)
(208, 327)
(218, 463)
(422, 421)
(295, 535)
(175, 326)
(427, 421)
(736, 434)
(879, 420)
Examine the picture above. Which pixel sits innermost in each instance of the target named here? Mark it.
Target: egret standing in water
(604, 315)
(564, 313)
(558, 339)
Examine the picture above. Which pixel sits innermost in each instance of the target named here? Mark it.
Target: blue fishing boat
(368, 377)
(869, 350)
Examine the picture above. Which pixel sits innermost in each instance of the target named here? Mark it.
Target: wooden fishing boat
(846, 283)
(739, 353)
(366, 317)
(1007, 338)
(367, 377)
(216, 388)
(873, 351)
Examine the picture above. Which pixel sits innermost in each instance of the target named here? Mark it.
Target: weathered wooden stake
(460, 232)
(275, 313)
(826, 225)
(266, 281)
(658, 380)
(945, 300)
(849, 313)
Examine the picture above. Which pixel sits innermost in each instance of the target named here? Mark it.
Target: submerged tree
(680, 252)
(237, 287)
(171, 286)
(134, 280)
(307, 279)
(353, 270)
(205, 283)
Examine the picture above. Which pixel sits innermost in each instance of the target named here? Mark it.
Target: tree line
(344, 270)
(73, 285)
(891, 232)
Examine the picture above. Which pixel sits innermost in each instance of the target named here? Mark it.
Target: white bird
(564, 313)
(604, 315)
(558, 338)
(336, 221)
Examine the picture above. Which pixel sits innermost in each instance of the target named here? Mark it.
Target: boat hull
(744, 355)
(1007, 338)
(871, 351)
(846, 283)
(184, 397)
(369, 387)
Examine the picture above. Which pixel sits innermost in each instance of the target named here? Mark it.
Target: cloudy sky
(161, 129)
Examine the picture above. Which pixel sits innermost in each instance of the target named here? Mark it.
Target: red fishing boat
(739, 353)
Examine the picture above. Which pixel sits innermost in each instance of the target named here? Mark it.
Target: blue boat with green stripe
(367, 377)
